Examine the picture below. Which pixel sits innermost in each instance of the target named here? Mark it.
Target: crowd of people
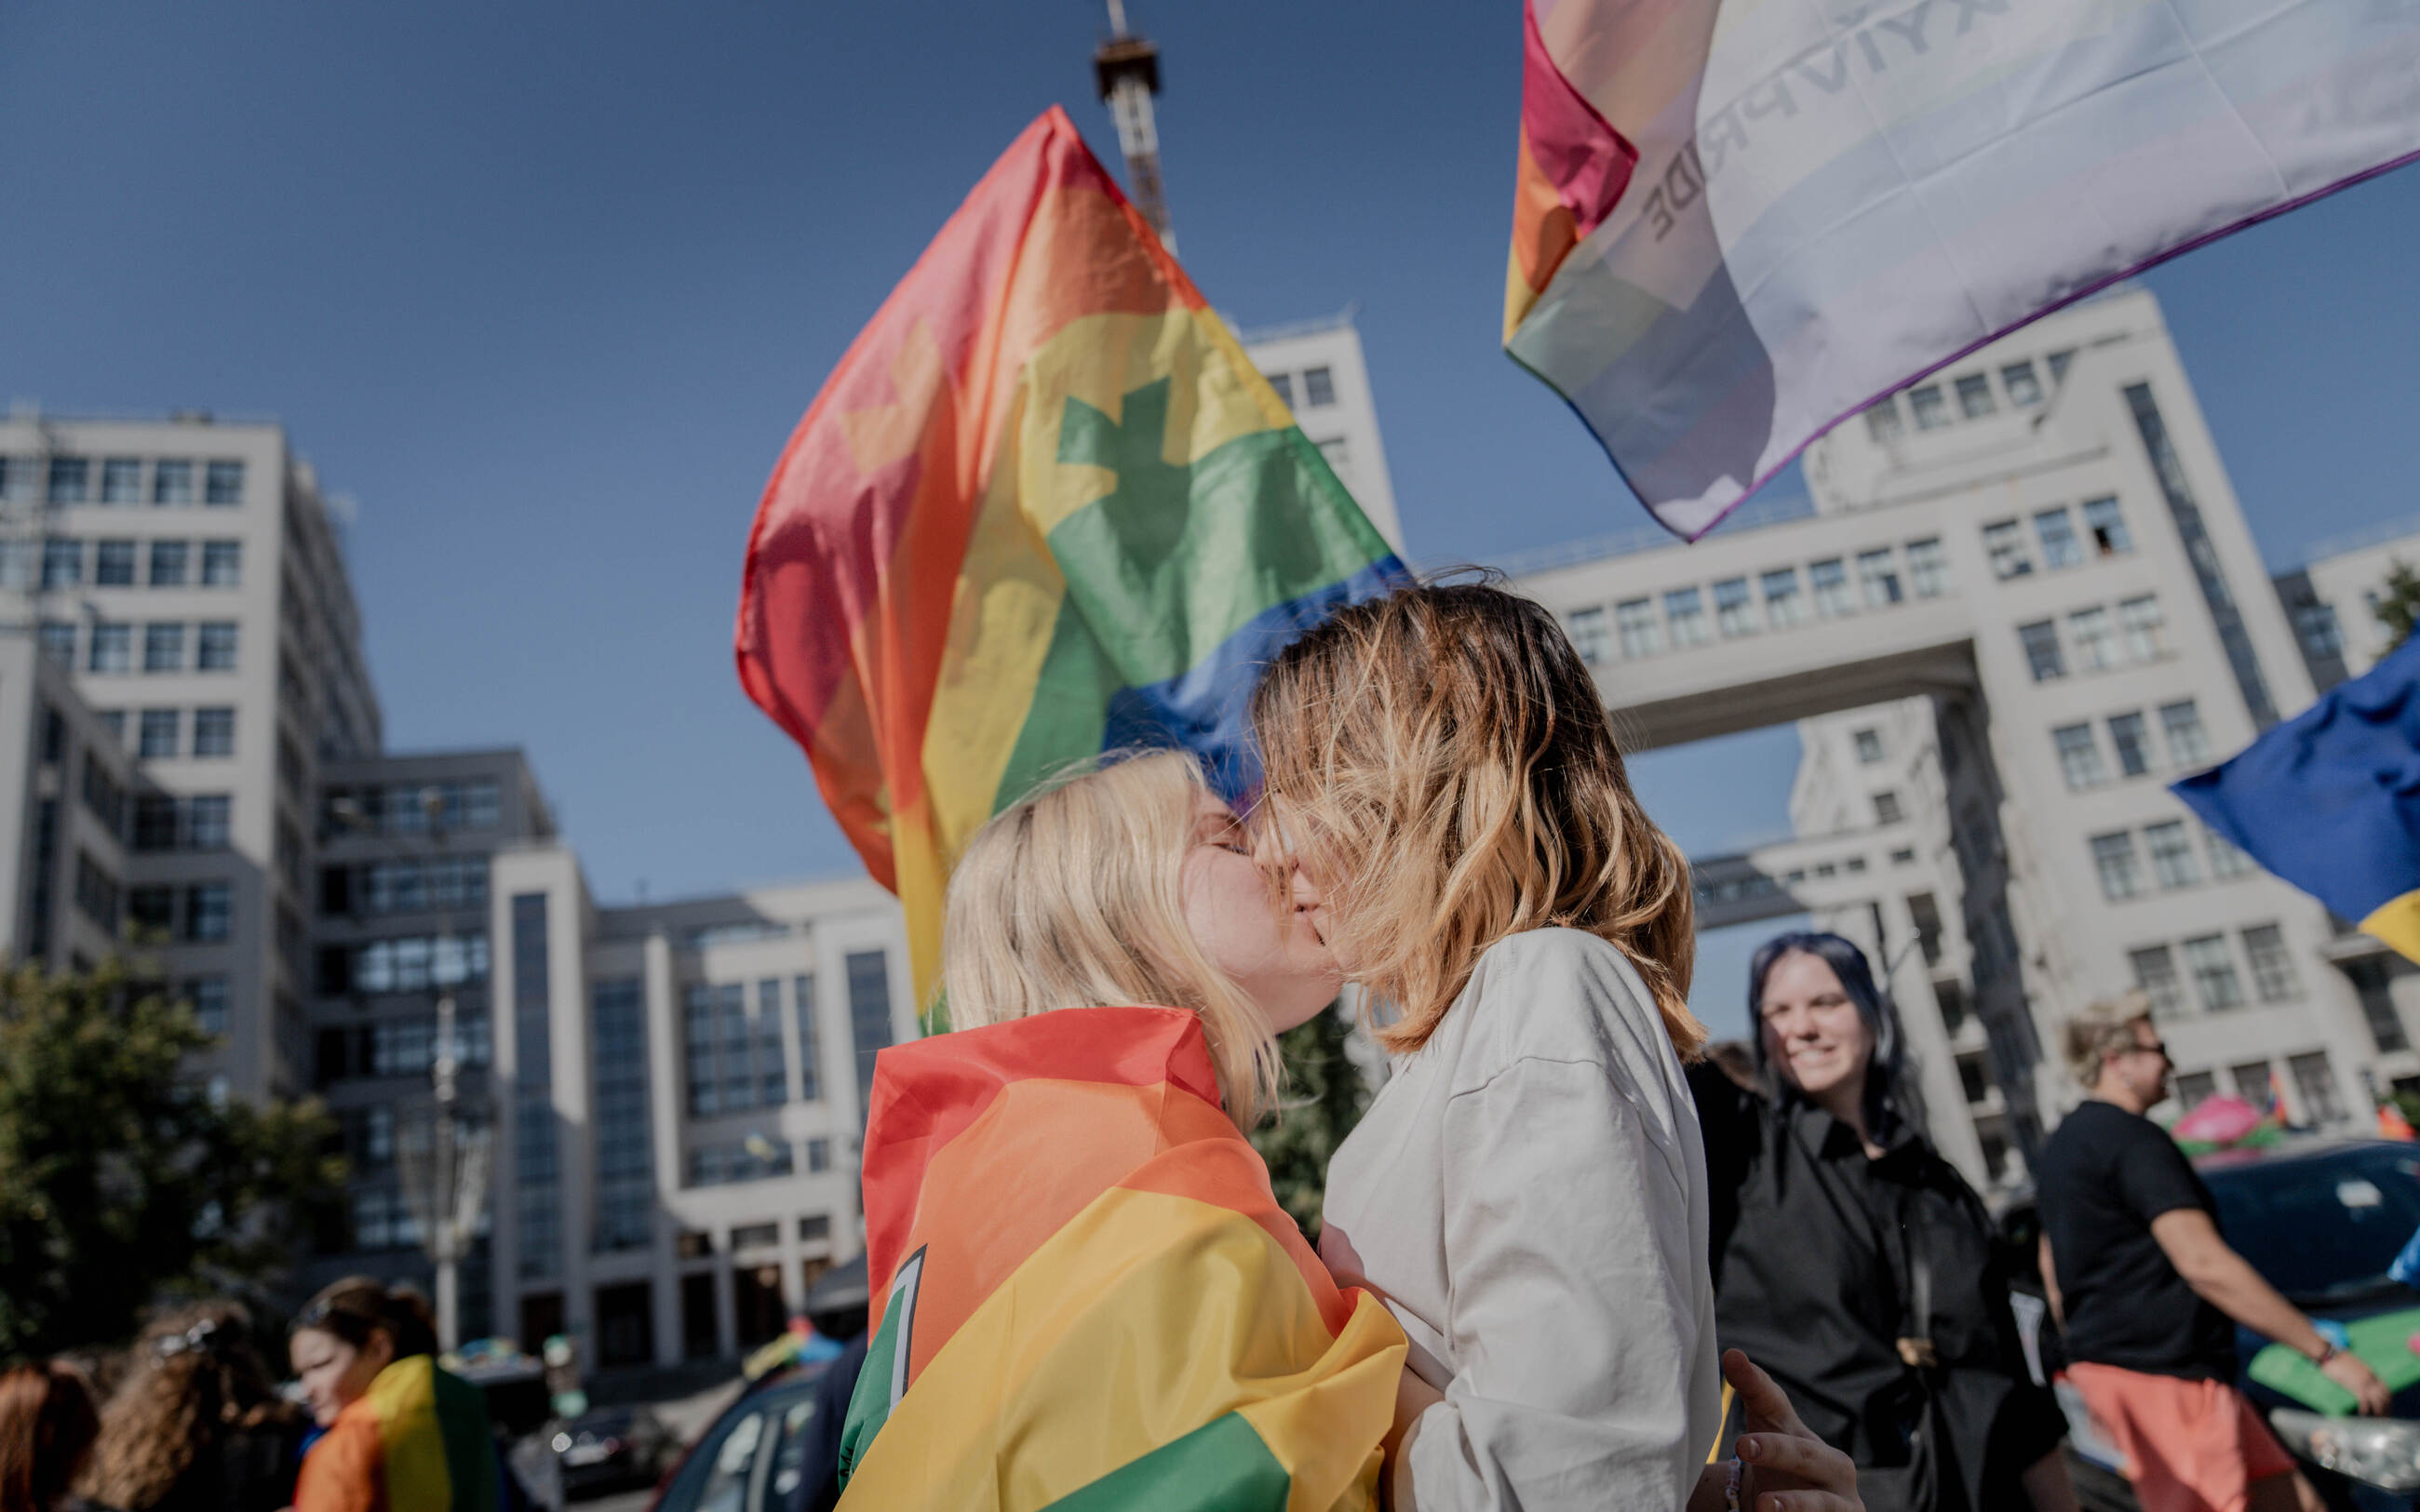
(1629, 1270)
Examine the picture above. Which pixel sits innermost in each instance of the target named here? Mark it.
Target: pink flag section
(1815, 201)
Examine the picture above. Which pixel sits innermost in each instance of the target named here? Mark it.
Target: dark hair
(47, 1424)
(359, 1305)
(197, 1378)
(1882, 1066)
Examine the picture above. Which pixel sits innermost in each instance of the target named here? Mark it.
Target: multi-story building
(186, 577)
(1317, 367)
(66, 791)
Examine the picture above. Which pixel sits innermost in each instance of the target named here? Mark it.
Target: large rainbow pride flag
(1087, 1298)
(417, 1441)
(1738, 221)
(1043, 507)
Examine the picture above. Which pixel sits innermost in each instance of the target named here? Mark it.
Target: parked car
(2321, 1220)
(749, 1459)
(613, 1448)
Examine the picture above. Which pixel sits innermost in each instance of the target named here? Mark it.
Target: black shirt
(1812, 1248)
(2104, 1175)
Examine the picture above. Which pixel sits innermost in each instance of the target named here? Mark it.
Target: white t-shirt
(1529, 1195)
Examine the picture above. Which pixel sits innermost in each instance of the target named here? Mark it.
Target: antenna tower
(1126, 67)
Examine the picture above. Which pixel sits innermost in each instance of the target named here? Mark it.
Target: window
(113, 564)
(1883, 422)
(2316, 626)
(172, 481)
(1283, 383)
(113, 721)
(1592, 636)
(2108, 528)
(1930, 405)
(1870, 747)
(2126, 732)
(205, 821)
(383, 1220)
(216, 647)
(1973, 1079)
(1829, 579)
(2172, 855)
(1642, 634)
(2059, 361)
(168, 563)
(2213, 973)
(1975, 395)
(2042, 650)
(214, 732)
(1318, 388)
(111, 649)
(155, 823)
(2253, 1083)
(802, 993)
(1928, 570)
(16, 478)
(2023, 385)
(209, 996)
(2155, 972)
(71, 480)
(2079, 756)
(1886, 810)
(2096, 647)
(818, 1156)
(1338, 455)
(222, 484)
(163, 647)
(96, 893)
(20, 563)
(210, 911)
(2188, 743)
(2139, 621)
(1734, 610)
(1684, 609)
(753, 1159)
(122, 479)
(151, 910)
(2317, 1085)
(697, 1043)
(1879, 575)
(2272, 967)
(2005, 544)
(815, 1229)
(62, 563)
(417, 962)
(2225, 860)
(1783, 607)
(222, 564)
(2056, 532)
(2121, 873)
(157, 736)
(772, 1067)
(869, 1014)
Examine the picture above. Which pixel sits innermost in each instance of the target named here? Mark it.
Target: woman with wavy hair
(196, 1424)
(1529, 1191)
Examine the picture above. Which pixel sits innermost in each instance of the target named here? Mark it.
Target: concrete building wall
(1317, 367)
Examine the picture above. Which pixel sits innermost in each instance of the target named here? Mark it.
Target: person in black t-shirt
(2146, 1288)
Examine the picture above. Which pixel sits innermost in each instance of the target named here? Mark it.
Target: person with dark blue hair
(1854, 1262)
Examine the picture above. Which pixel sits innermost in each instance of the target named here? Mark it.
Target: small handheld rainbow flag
(1087, 1297)
(417, 1441)
(1043, 507)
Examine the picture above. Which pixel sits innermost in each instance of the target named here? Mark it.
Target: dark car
(612, 1448)
(751, 1459)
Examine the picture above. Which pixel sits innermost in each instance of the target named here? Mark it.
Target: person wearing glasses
(2148, 1293)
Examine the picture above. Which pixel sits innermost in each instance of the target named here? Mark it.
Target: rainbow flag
(1087, 1297)
(1043, 507)
(1737, 222)
(417, 1441)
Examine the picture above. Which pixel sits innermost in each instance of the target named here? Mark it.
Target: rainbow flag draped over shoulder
(1043, 507)
(417, 1441)
(1087, 1297)
(1737, 220)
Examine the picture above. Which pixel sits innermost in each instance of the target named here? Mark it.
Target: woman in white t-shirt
(1529, 1191)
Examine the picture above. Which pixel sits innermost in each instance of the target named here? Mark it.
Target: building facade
(1317, 367)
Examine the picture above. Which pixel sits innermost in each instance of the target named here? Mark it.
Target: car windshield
(2324, 1226)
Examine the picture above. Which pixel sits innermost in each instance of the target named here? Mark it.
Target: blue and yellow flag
(2330, 800)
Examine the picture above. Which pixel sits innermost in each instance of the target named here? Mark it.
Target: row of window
(1826, 594)
(2104, 535)
(159, 734)
(755, 1158)
(409, 809)
(1318, 387)
(2210, 960)
(64, 562)
(2079, 747)
(183, 821)
(2256, 1082)
(1973, 394)
(400, 1047)
(2174, 862)
(411, 964)
(404, 886)
(199, 913)
(2098, 640)
(122, 480)
(734, 1058)
(108, 647)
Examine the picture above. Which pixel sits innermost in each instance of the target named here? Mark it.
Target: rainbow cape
(1087, 1297)
(1043, 507)
(1737, 220)
(417, 1441)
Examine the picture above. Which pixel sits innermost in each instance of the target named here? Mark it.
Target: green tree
(1324, 1098)
(2398, 608)
(121, 1181)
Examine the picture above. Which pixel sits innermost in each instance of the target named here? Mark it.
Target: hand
(2346, 1370)
(1789, 1468)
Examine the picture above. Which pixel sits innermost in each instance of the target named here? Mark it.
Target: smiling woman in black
(1855, 1264)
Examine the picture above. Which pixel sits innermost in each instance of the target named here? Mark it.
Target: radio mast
(1126, 67)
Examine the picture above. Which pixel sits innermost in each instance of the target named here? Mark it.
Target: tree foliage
(121, 1181)
(1324, 1098)
(2398, 608)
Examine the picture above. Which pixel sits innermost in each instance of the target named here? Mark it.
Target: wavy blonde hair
(1073, 897)
(195, 1378)
(1443, 750)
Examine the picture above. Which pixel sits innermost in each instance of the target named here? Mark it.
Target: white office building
(1317, 367)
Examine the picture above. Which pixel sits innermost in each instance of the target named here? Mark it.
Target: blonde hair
(1444, 752)
(1073, 897)
(2104, 1029)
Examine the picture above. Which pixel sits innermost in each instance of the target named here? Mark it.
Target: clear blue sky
(544, 286)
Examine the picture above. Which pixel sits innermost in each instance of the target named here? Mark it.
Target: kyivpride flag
(1087, 1298)
(1738, 221)
(1043, 507)
(417, 1441)
(2330, 800)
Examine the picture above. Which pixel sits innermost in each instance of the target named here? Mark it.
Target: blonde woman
(1528, 1192)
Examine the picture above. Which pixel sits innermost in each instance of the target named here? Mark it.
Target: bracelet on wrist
(1731, 1485)
(2328, 1351)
